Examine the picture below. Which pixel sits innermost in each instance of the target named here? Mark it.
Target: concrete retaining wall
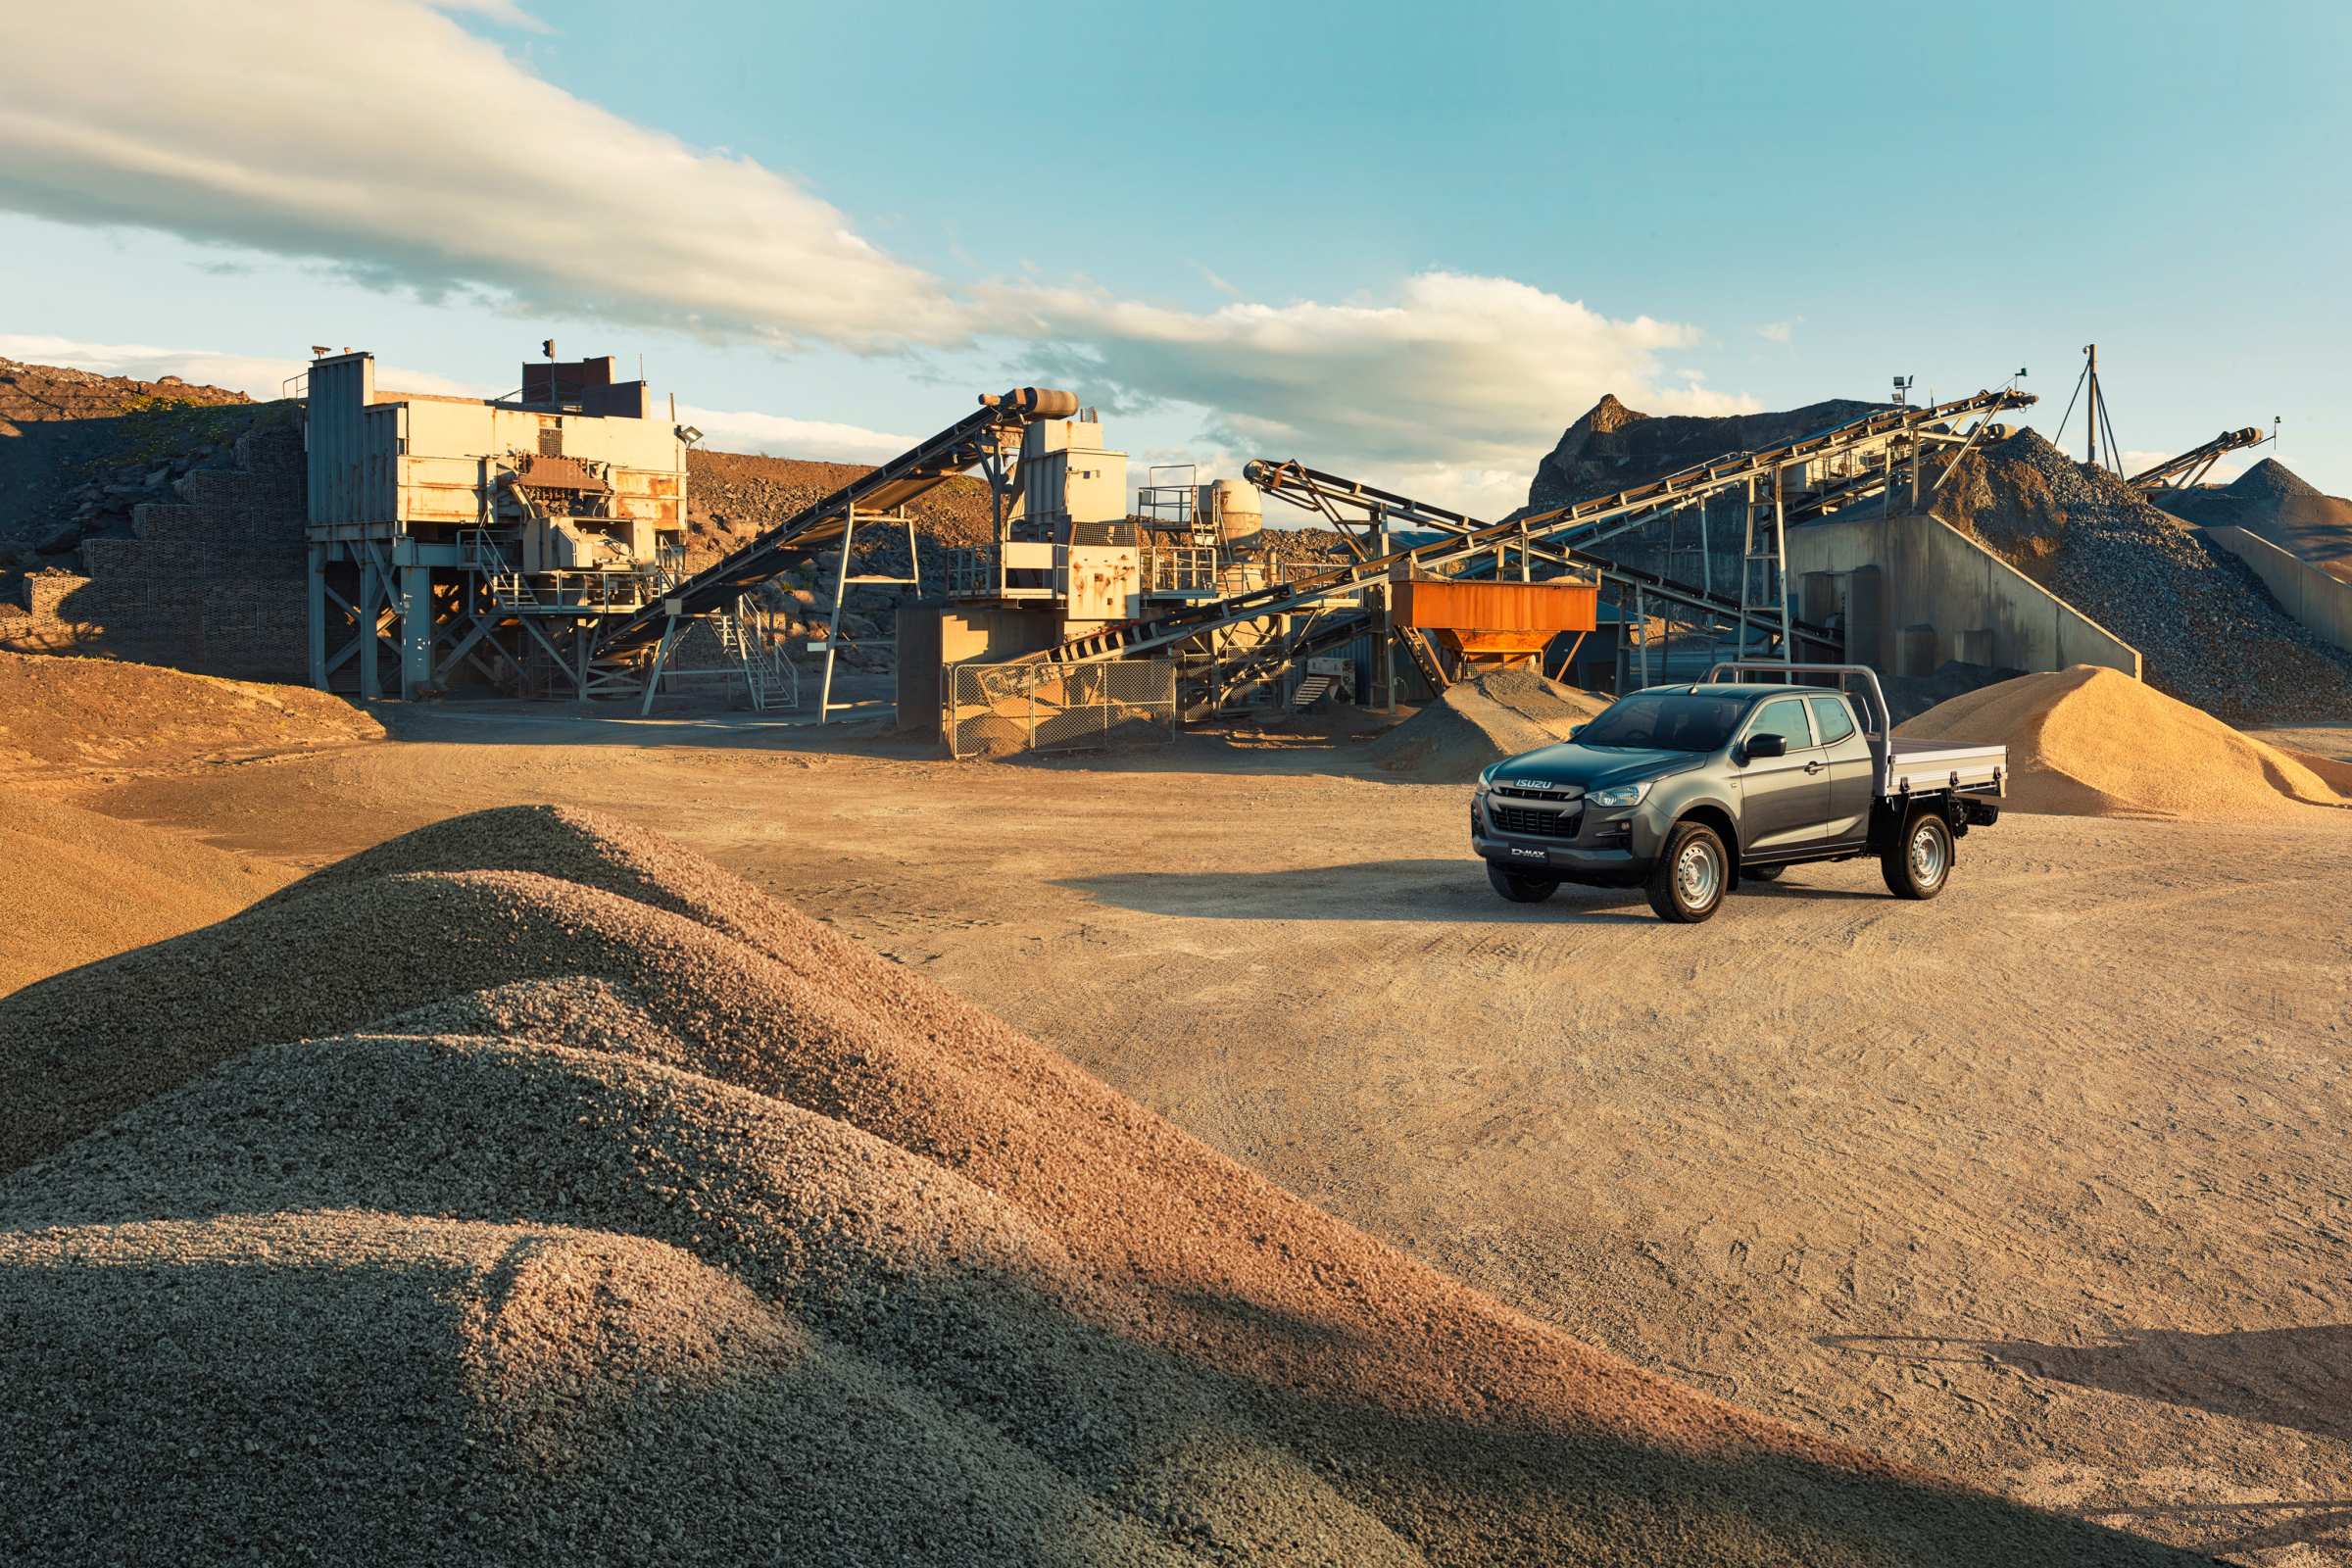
(212, 582)
(2320, 601)
(1915, 592)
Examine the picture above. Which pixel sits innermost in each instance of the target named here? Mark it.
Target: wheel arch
(1718, 818)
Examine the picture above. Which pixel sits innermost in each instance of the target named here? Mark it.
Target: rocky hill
(1612, 445)
(78, 450)
(2211, 634)
(2272, 501)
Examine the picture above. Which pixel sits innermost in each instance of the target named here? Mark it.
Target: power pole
(2093, 423)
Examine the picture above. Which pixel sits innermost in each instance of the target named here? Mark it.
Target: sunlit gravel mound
(528, 1191)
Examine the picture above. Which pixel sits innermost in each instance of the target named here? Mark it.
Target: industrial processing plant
(1561, 820)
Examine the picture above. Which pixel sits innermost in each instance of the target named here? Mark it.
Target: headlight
(1486, 776)
(1622, 795)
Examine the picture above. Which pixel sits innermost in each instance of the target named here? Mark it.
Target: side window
(1830, 717)
(1784, 717)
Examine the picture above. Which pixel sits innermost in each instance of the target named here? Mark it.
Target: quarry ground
(2040, 1185)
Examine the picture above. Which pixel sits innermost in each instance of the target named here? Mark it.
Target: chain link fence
(997, 710)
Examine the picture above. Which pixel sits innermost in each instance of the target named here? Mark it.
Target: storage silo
(1232, 505)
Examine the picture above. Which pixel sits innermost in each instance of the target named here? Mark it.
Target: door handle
(1814, 766)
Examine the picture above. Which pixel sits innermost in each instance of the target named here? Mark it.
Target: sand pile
(2094, 742)
(527, 1189)
(82, 715)
(83, 887)
(1479, 721)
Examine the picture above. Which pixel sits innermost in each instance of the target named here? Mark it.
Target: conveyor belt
(2191, 467)
(799, 537)
(1543, 537)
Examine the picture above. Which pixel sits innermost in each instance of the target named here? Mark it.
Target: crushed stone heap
(2208, 631)
(1481, 720)
(2272, 501)
(527, 1189)
(62, 715)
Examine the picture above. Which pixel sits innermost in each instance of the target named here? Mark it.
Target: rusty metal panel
(1497, 607)
(543, 472)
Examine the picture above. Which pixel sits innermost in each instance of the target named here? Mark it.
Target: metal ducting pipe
(1045, 403)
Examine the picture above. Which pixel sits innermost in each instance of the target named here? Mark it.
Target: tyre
(1761, 873)
(1918, 860)
(1687, 884)
(1520, 889)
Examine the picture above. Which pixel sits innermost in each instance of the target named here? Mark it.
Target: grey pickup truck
(1686, 791)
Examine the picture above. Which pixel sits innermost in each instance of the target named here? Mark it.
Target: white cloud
(1458, 373)
(779, 435)
(503, 12)
(255, 376)
(1210, 277)
(1777, 331)
(383, 136)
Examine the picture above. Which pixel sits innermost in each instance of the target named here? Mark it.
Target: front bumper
(1608, 850)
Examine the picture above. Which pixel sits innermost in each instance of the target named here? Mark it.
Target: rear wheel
(1687, 884)
(1520, 889)
(1918, 860)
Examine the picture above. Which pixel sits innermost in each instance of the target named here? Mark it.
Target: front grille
(1523, 794)
(1536, 824)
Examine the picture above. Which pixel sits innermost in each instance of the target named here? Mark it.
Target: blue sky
(1403, 242)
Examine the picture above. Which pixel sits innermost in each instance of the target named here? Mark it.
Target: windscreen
(1666, 721)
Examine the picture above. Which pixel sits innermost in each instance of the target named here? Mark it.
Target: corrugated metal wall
(339, 390)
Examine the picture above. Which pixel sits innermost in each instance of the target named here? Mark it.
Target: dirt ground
(2041, 1185)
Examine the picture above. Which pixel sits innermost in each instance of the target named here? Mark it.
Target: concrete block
(1867, 639)
(1917, 653)
(1820, 600)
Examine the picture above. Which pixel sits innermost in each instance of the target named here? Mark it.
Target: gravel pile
(63, 715)
(2272, 499)
(527, 1189)
(1475, 722)
(2208, 631)
(82, 887)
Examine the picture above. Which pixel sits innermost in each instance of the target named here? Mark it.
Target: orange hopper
(1496, 624)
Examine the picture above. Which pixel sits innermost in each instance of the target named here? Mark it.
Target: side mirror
(1767, 746)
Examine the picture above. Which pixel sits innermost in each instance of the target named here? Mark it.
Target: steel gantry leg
(653, 675)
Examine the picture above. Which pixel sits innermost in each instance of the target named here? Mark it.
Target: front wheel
(1918, 861)
(1520, 889)
(1687, 884)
